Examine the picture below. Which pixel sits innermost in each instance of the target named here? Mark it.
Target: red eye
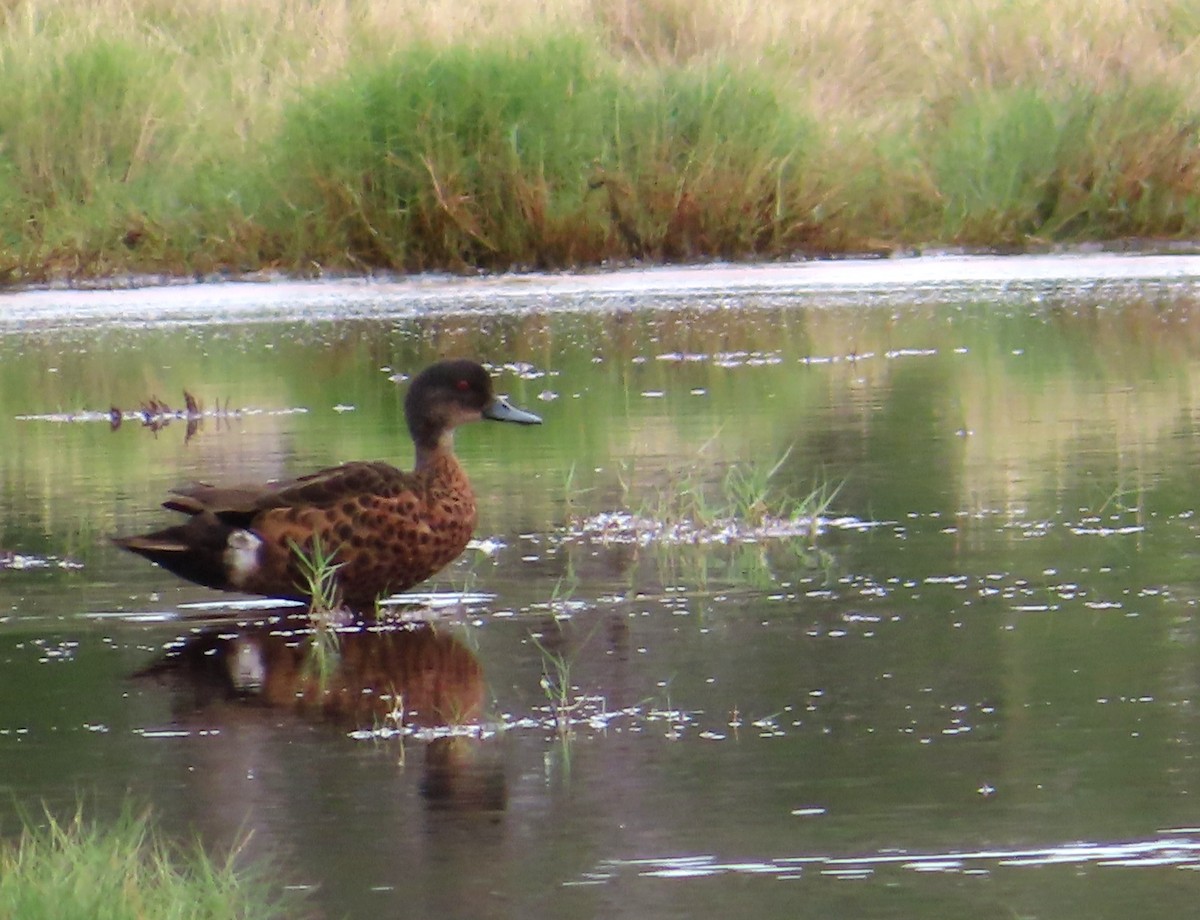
(463, 385)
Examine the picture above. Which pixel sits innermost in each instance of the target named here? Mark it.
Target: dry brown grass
(881, 81)
(864, 59)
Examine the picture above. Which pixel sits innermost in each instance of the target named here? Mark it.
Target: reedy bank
(179, 138)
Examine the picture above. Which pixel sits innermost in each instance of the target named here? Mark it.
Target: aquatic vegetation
(325, 611)
(687, 510)
(319, 571)
(561, 693)
(742, 527)
(78, 868)
(556, 684)
(751, 497)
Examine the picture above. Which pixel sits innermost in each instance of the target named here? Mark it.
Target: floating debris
(641, 530)
(156, 414)
(21, 561)
(724, 359)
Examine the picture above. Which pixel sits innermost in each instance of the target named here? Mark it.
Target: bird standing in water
(386, 529)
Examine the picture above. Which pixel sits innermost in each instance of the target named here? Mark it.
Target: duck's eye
(463, 386)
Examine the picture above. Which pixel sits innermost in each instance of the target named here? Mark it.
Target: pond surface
(851, 589)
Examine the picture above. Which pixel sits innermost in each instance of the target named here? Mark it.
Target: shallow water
(965, 689)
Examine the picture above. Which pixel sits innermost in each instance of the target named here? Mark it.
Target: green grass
(556, 685)
(746, 496)
(1028, 162)
(167, 137)
(542, 154)
(699, 526)
(78, 870)
(441, 157)
(319, 572)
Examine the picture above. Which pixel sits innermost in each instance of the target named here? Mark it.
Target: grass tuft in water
(750, 495)
(319, 571)
(748, 501)
(556, 684)
(76, 868)
(763, 526)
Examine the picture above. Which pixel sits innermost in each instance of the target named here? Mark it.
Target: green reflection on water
(1012, 603)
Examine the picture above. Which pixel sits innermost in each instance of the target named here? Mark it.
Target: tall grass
(78, 869)
(541, 155)
(442, 157)
(1033, 163)
(157, 135)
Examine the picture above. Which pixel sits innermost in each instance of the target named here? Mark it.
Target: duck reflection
(379, 678)
(360, 678)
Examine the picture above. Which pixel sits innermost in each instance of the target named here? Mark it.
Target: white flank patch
(241, 556)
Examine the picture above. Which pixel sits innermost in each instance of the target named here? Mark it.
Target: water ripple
(1170, 850)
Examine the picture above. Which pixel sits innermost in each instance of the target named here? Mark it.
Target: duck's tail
(202, 550)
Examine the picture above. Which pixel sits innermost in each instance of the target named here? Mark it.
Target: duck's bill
(500, 410)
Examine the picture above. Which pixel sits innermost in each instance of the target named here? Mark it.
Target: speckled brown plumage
(388, 529)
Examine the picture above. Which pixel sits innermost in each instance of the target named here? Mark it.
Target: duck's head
(450, 393)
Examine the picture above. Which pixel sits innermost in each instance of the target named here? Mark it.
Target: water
(970, 694)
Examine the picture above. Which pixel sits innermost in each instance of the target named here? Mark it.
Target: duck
(384, 529)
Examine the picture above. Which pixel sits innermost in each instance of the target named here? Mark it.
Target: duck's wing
(338, 483)
(197, 497)
(239, 504)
